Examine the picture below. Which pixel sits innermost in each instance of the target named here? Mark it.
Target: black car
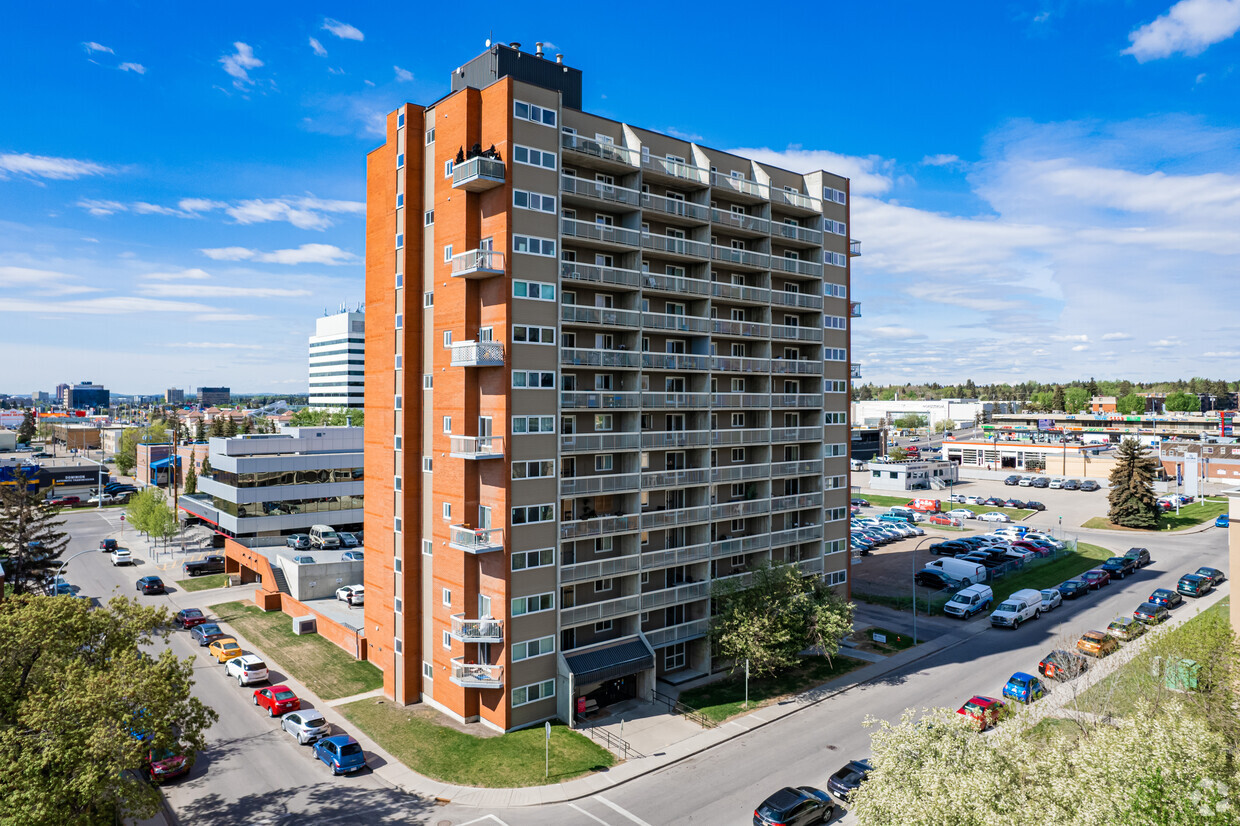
(861, 503)
(794, 807)
(995, 502)
(151, 585)
(1014, 503)
(929, 579)
(206, 633)
(1139, 556)
(847, 779)
(1071, 484)
(1062, 665)
(1012, 480)
(1119, 566)
(1040, 482)
(108, 545)
(950, 548)
(1213, 574)
(1034, 506)
(1073, 588)
(1090, 485)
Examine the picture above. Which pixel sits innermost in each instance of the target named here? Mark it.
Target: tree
(780, 613)
(910, 422)
(81, 703)
(206, 467)
(897, 454)
(143, 510)
(217, 426)
(943, 426)
(1124, 388)
(1076, 399)
(230, 426)
(200, 432)
(1183, 402)
(191, 477)
(30, 534)
(1058, 401)
(1132, 487)
(26, 430)
(1130, 405)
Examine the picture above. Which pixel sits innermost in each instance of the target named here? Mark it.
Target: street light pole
(67, 561)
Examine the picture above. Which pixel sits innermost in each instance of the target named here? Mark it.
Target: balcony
(602, 233)
(740, 292)
(687, 477)
(477, 447)
(736, 364)
(676, 322)
(675, 401)
(599, 442)
(573, 271)
(672, 245)
(794, 535)
(792, 198)
(599, 191)
(608, 152)
(804, 367)
(794, 333)
(800, 501)
(741, 436)
(674, 361)
(736, 401)
(677, 516)
(789, 299)
(677, 633)
(664, 439)
(679, 593)
(477, 264)
(600, 316)
(739, 221)
(475, 540)
(675, 284)
(598, 526)
(478, 174)
(597, 611)
(741, 545)
(804, 467)
(739, 510)
(675, 207)
(854, 309)
(572, 400)
(797, 400)
(793, 232)
(477, 354)
(854, 371)
(583, 357)
(796, 434)
(675, 556)
(740, 257)
(594, 485)
(476, 675)
(854, 248)
(739, 473)
(487, 629)
(744, 329)
(675, 169)
(596, 569)
(795, 265)
(740, 186)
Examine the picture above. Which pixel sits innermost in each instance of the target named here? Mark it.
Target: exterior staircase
(278, 579)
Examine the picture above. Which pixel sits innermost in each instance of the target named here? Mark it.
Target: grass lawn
(1049, 574)
(886, 501)
(504, 761)
(321, 665)
(928, 604)
(1189, 516)
(203, 583)
(896, 641)
(726, 698)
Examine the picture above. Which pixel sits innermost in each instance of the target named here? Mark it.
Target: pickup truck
(209, 565)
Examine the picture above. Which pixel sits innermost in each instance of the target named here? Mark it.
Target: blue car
(341, 752)
(1023, 688)
(1223, 521)
(207, 633)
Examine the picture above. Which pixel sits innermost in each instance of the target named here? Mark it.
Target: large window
(531, 514)
(524, 199)
(532, 245)
(533, 604)
(287, 507)
(533, 113)
(541, 558)
(277, 478)
(531, 157)
(535, 290)
(529, 693)
(532, 648)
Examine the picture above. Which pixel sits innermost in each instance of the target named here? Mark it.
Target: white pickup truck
(1020, 606)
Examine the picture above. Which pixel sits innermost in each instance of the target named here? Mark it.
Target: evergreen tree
(1059, 402)
(31, 536)
(206, 467)
(200, 432)
(1132, 487)
(1092, 387)
(230, 427)
(25, 432)
(217, 426)
(191, 477)
(247, 425)
(1124, 389)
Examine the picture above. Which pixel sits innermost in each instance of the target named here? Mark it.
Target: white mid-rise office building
(338, 361)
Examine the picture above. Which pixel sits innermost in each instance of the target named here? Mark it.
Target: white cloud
(199, 205)
(225, 317)
(940, 160)
(44, 166)
(893, 332)
(1042, 17)
(1189, 27)
(229, 253)
(869, 176)
(217, 345)
(403, 75)
(95, 207)
(1167, 342)
(1116, 337)
(193, 274)
(111, 305)
(238, 64)
(318, 47)
(304, 213)
(132, 67)
(41, 282)
(343, 30)
(1070, 338)
(213, 291)
(1080, 348)
(305, 254)
(1223, 354)
(91, 47)
(143, 208)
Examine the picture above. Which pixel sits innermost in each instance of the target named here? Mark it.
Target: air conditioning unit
(305, 625)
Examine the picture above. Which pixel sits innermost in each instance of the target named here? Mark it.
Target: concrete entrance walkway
(647, 727)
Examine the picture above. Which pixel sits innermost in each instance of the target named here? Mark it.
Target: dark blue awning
(610, 663)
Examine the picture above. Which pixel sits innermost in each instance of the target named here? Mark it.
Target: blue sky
(1042, 190)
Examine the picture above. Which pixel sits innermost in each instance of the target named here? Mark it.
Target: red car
(1095, 579)
(277, 699)
(64, 501)
(1029, 546)
(985, 710)
(166, 764)
(189, 617)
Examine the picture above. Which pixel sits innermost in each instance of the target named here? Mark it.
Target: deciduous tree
(1182, 402)
(1130, 405)
(1131, 493)
(31, 535)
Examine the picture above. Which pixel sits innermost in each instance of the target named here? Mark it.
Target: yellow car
(225, 649)
(1093, 643)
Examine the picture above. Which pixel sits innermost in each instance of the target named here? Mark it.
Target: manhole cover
(444, 823)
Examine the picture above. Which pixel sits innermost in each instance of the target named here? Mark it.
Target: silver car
(307, 725)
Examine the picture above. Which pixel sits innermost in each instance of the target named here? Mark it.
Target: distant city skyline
(1040, 191)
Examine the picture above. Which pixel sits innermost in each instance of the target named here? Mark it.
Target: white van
(324, 536)
(1020, 606)
(970, 601)
(967, 572)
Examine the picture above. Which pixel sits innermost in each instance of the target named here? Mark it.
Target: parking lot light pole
(70, 559)
(916, 548)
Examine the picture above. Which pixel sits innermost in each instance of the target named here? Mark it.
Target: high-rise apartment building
(174, 396)
(214, 396)
(606, 367)
(338, 361)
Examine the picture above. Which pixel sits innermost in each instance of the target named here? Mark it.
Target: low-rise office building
(912, 474)
(87, 395)
(1216, 461)
(77, 436)
(1055, 457)
(269, 485)
(957, 412)
(1102, 428)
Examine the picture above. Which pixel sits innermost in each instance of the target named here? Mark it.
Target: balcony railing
(600, 149)
(596, 611)
(599, 442)
(475, 540)
(675, 284)
(854, 248)
(674, 246)
(677, 516)
(675, 556)
(736, 364)
(854, 309)
(800, 501)
(476, 675)
(805, 367)
(740, 436)
(797, 233)
(477, 354)
(802, 400)
(741, 221)
(739, 400)
(598, 526)
(600, 316)
(572, 271)
(583, 357)
(675, 169)
(795, 199)
(804, 467)
(748, 329)
(739, 257)
(796, 434)
(663, 439)
(740, 292)
(477, 447)
(606, 483)
(678, 593)
(675, 478)
(738, 473)
(585, 571)
(677, 633)
(787, 299)
(606, 233)
(855, 371)
(741, 545)
(794, 535)
(675, 401)
(486, 629)
(610, 193)
(675, 206)
(741, 186)
(793, 333)
(477, 264)
(797, 265)
(674, 361)
(738, 510)
(478, 174)
(599, 401)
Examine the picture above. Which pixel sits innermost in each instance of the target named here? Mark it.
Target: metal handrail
(674, 706)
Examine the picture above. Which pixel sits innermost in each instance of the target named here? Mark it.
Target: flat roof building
(606, 367)
(912, 474)
(174, 396)
(87, 395)
(214, 396)
(338, 361)
(957, 412)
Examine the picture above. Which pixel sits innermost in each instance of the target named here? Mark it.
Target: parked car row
(1054, 483)
(992, 502)
(867, 534)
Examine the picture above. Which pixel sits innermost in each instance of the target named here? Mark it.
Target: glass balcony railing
(677, 322)
(739, 257)
(597, 611)
(786, 264)
(803, 367)
(593, 231)
(572, 271)
(674, 361)
(663, 439)
(600, 149)
(679, 593)
(746, 329)
(675, 401)
(741, 221)
(855, 371)
(793, 333)
(740, 436)
(477, 447)
(854, 248)
(585, 571)
(475, 540)
(796, 199)
(675, 206)
(478, 174)
(794, 232)
(477, 354)
(789, 299)
(477, 264)
(804, 467)
(599, 442)
(600, 191)
(675, 284)
(602, 525)
(476, 675)
(801, 400)
(486, 629)
(572, 400)
(737, 364)
(854, 309)
(674, 246)
(675, 169)
(600, 316)
(582, 357)
(667, 635)
(676, 556)
(676, 478)
(740, 292)
(740, 186)
(607, 483)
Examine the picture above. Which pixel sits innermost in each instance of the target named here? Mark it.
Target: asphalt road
(252, 773)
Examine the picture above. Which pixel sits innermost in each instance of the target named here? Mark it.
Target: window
(447, 424)
(447, 253)
(533, 604)
(532, 648)
(530, 693)
(446, 597)
(447, 338)
(524, 560)
(430, 136)
(400, 280)
(428, 381)
(836, 514)
(834, 482)
(537, 469)
(534, 290)
(834, 322)
(400, 200)
(601, 585)
(738, 525)
(835, 354)
(533, 157)
(832, 194)
(400, 321)
(834, 290)
(738, 385)
(835, 546)
(533, 424)
(428, 218)
(396, 403)
(738, 454)
(524, 199)
(532, 245)
(835, 387)
(447, 511)
(837, 417)
(837, 577)
(738, 419)
(532, 514)
(400, 241)
(427, 547)
(602, 421)
(396, 525)
(447, 639)
(525, 334)
(837, 449)
(396, 483)
(397, 605)
(603, 463)
(533, 379)
(738, 489)
(428, 299)
(396, 442)
(427, 671)
(533, 113)
(602, 627)
(674, 656)
(400, 120)
(427, 464)
(400, 161)
(447, 169)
